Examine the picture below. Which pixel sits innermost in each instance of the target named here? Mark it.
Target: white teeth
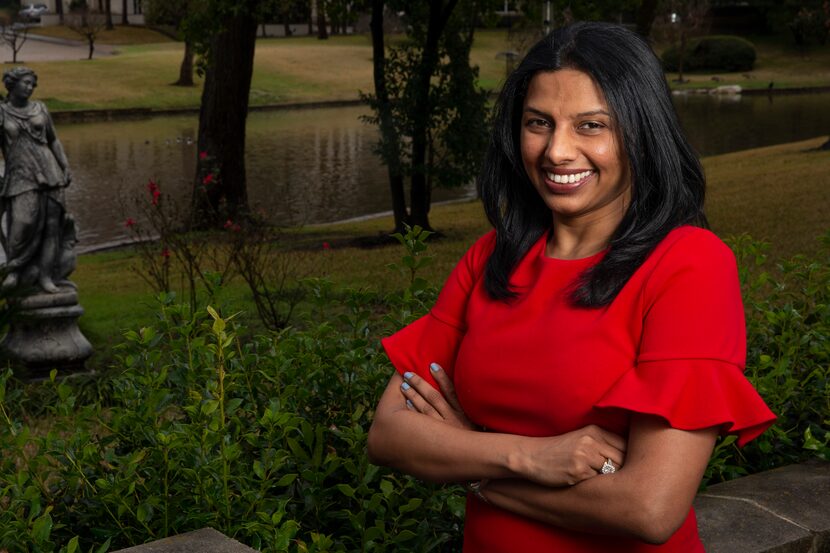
(568, 179)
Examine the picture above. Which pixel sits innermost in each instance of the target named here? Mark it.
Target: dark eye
(591, 125)
(537, 122)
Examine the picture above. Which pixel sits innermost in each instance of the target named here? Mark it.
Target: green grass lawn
(304, 69)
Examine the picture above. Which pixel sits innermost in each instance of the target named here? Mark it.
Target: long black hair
(667, 179)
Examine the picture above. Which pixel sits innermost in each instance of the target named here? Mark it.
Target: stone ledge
(786, 510)
(206, 540)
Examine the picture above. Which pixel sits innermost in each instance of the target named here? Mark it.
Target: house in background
(135, 14)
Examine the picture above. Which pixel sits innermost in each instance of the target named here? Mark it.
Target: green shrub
(264, 439)
(788, 359)
(713, 53)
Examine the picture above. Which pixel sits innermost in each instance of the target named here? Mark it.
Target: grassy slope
(304, 69)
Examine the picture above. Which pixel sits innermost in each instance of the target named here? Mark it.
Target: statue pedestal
(45, 335)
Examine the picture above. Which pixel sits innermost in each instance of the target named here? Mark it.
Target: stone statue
(37, 235)
(34, 219)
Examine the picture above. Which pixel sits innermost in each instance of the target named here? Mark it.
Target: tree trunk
(124, 19)
(110, 25)
(91, 40)
(186, 69)
(220, 190)
(645, 17)
(59, 10)
(419, 193)
(287, 27)
(388, 130)
(322, 30)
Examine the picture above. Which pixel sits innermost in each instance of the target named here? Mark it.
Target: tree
(645, 17)
(679, 21)
(124, 19)
(432, 116)
(86, 23)
(108, 11)
(224, 35)
(175, 13)
(14, 34)
(322, 26)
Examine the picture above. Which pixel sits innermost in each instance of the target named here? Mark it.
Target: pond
(317, 165)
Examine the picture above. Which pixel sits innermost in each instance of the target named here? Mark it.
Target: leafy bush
(713, 53)
(788, 359)
(264, 439)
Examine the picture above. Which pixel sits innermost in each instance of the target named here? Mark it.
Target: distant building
(135, 13)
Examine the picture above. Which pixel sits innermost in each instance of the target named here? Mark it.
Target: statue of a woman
(33, 223)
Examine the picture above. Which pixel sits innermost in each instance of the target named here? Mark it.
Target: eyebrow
(581, 114)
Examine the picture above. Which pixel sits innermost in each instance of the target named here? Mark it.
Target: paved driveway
(51, 49)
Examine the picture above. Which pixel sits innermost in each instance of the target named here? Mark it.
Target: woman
(32, 192)
(590, 349)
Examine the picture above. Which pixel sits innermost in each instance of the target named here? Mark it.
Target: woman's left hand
(442, 405)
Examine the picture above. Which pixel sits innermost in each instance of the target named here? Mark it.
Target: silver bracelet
(475, 488)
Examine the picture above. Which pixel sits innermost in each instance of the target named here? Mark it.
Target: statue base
(44, 334)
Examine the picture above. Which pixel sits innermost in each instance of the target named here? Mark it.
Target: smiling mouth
(573, 178)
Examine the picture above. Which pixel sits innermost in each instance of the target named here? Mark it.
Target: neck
(18, 102)
(578, 239)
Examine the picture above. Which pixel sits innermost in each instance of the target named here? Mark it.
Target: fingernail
(435, 367)
(407, 375)
(409, 404)
(405, 386)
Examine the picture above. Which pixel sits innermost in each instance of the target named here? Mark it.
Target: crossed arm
(424, 432)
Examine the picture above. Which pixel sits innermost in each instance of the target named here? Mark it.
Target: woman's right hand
(570, 458)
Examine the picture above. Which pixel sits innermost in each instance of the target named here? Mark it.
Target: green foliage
(263, 440)
(811, 27)
(713, 53)
(788, 359)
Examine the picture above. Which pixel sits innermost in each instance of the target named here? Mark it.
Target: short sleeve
(435, 337)
(689, 368)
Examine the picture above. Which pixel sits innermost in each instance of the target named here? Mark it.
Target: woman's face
(571, 151)
(24, 87)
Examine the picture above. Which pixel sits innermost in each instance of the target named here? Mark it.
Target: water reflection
(310, 166)
(720, 124)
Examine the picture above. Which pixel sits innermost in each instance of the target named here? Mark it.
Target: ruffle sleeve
(689, 368)
(425, 341)
(691, 394)
(435, 337)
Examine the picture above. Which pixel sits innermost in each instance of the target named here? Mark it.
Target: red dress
(671, 344)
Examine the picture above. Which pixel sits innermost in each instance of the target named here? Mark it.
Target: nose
(561, 146)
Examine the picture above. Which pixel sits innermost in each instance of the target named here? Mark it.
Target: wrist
(476, 488)
(518, 460)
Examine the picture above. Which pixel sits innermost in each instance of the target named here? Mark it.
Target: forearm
(433, 450)
(601, 505)
(649, 498)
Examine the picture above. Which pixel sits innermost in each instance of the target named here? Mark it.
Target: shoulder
(692, 246)
(478, 253)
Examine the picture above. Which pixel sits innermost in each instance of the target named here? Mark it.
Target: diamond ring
(608, 467)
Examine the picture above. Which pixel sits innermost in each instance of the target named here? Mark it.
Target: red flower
(129, 222)
(152, 187)
(203, 155)
(228, 224)
(208, 179)
(156, 195)
(326, 246)
(165, 253)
